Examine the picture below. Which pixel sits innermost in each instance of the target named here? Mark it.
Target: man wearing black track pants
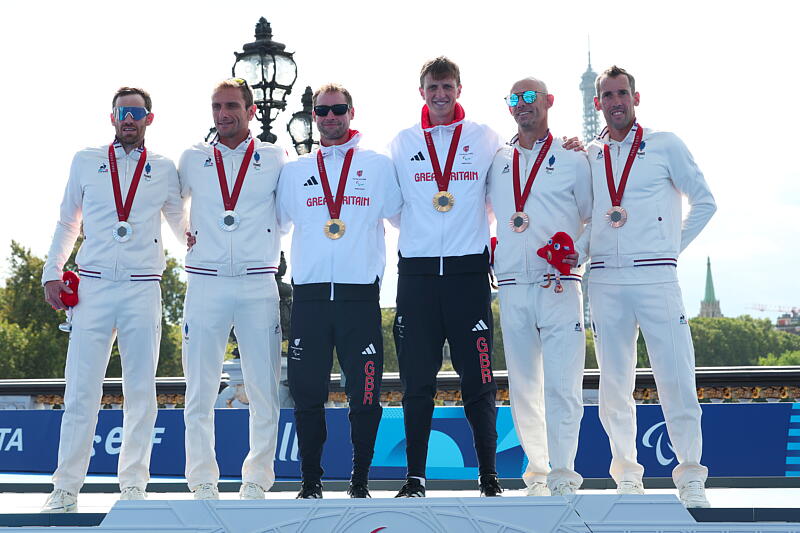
(337, 198)
(443, 288)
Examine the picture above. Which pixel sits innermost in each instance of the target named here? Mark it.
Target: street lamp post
(300, 126)
(271, 71)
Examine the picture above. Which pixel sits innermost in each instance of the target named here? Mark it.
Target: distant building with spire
(709, 307)
(591, 128)
(591, 123)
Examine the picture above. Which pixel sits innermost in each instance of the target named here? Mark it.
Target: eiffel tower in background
(591, 127)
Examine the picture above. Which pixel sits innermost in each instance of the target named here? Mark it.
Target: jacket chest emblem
(359, 181)
(640, 154)
(256, 161)
(103, 168)
(466, 156)
(551, 164)
(208, 163)
(147, 176)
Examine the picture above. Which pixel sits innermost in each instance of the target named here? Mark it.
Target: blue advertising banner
(739, 440)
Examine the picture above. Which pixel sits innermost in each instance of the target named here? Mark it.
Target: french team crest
(257, 161)
(640, 154)
(550, 164)
(147, 175)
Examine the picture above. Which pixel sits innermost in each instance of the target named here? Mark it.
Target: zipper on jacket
(333, 248)
(230, 233)
(442, 215)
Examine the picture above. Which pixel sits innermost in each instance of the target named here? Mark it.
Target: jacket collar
(354, 137)
(605, 138)
(458, 117)
(224, 150)
(119, 151)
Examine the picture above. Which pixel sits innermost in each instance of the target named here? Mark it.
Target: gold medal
(443, 201)
(519, 222)
(334, 228)
(617, 216)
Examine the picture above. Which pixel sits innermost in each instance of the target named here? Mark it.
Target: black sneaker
(310, 490)
(358, 489)
(489, 485)
(412, 489)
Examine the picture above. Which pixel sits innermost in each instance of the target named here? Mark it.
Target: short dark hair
(332, 88)
(612, 72)
(125, 91)
(238, 83)
(439, 68)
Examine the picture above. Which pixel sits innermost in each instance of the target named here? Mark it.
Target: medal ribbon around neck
(229, 200)
(124, 210)
(443, 180)
(616, 193)
(521, 197)
(334, 205)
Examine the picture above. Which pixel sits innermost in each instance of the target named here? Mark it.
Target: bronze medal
(617, 216)
(519, 222)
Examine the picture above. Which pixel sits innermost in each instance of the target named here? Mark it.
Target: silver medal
(122, 231)
(229, 221)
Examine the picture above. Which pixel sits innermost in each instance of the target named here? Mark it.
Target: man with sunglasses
(537, 188)
(640, 176)
(234, 255)
(120, 262)
(337, 198)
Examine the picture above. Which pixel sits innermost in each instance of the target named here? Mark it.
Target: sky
(718, 74)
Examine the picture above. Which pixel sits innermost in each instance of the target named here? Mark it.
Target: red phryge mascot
(557, 248)
(71, 280)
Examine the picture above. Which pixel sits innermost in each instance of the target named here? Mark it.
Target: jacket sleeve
(583, 198)
(174, 208)
(689, 180)
(284, 199)
(392, 197)
(68, 226)
(394, 220)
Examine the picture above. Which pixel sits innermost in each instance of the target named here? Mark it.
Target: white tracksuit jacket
(119, 296)
(231, 284)
(464, 230)
(634, 284)
(542, 331)
(371, 194)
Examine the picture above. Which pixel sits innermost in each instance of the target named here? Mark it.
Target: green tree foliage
(785, 359)
(31, 345)
(738, 341)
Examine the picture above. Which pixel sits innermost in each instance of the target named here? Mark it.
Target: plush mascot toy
(557, 248)
(71, 280)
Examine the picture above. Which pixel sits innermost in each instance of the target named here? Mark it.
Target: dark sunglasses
(528, 97)
(338, 109)
(136, 113)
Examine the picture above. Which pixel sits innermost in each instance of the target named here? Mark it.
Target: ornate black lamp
(300, 126)
(270, 71)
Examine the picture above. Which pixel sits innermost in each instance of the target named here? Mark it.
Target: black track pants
(354, 329)
(430, 309)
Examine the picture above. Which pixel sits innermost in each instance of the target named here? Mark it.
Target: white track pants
(618, 311)
(130, 311)
(213, 305)
(545, 345)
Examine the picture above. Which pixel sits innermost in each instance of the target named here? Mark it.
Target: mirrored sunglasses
(338, 109)
(528, 97)
(136, 113)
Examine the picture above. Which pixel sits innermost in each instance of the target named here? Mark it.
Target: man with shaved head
(537, 188)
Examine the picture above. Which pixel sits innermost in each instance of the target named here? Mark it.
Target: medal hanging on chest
(334, 227)
(229, 219)
(519, 220)
(617, 216)
(123, 231)
(443, 200)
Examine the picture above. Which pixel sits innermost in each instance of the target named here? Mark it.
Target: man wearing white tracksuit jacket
(120, 264)
(231, 284)
(542, 330)
(639, 177)
(336, 282)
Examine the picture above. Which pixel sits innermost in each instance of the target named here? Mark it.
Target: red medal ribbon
(521, 198)
(229, 200)
(616, 193)
(443, 180)
(334, 206)
(124, 210)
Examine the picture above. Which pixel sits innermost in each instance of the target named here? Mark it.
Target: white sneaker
(538, 489)
(630, 487)
(132, 493)
(251, 491)
(693, 494)
(206, 491)
(562, 489)
(61, 501)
